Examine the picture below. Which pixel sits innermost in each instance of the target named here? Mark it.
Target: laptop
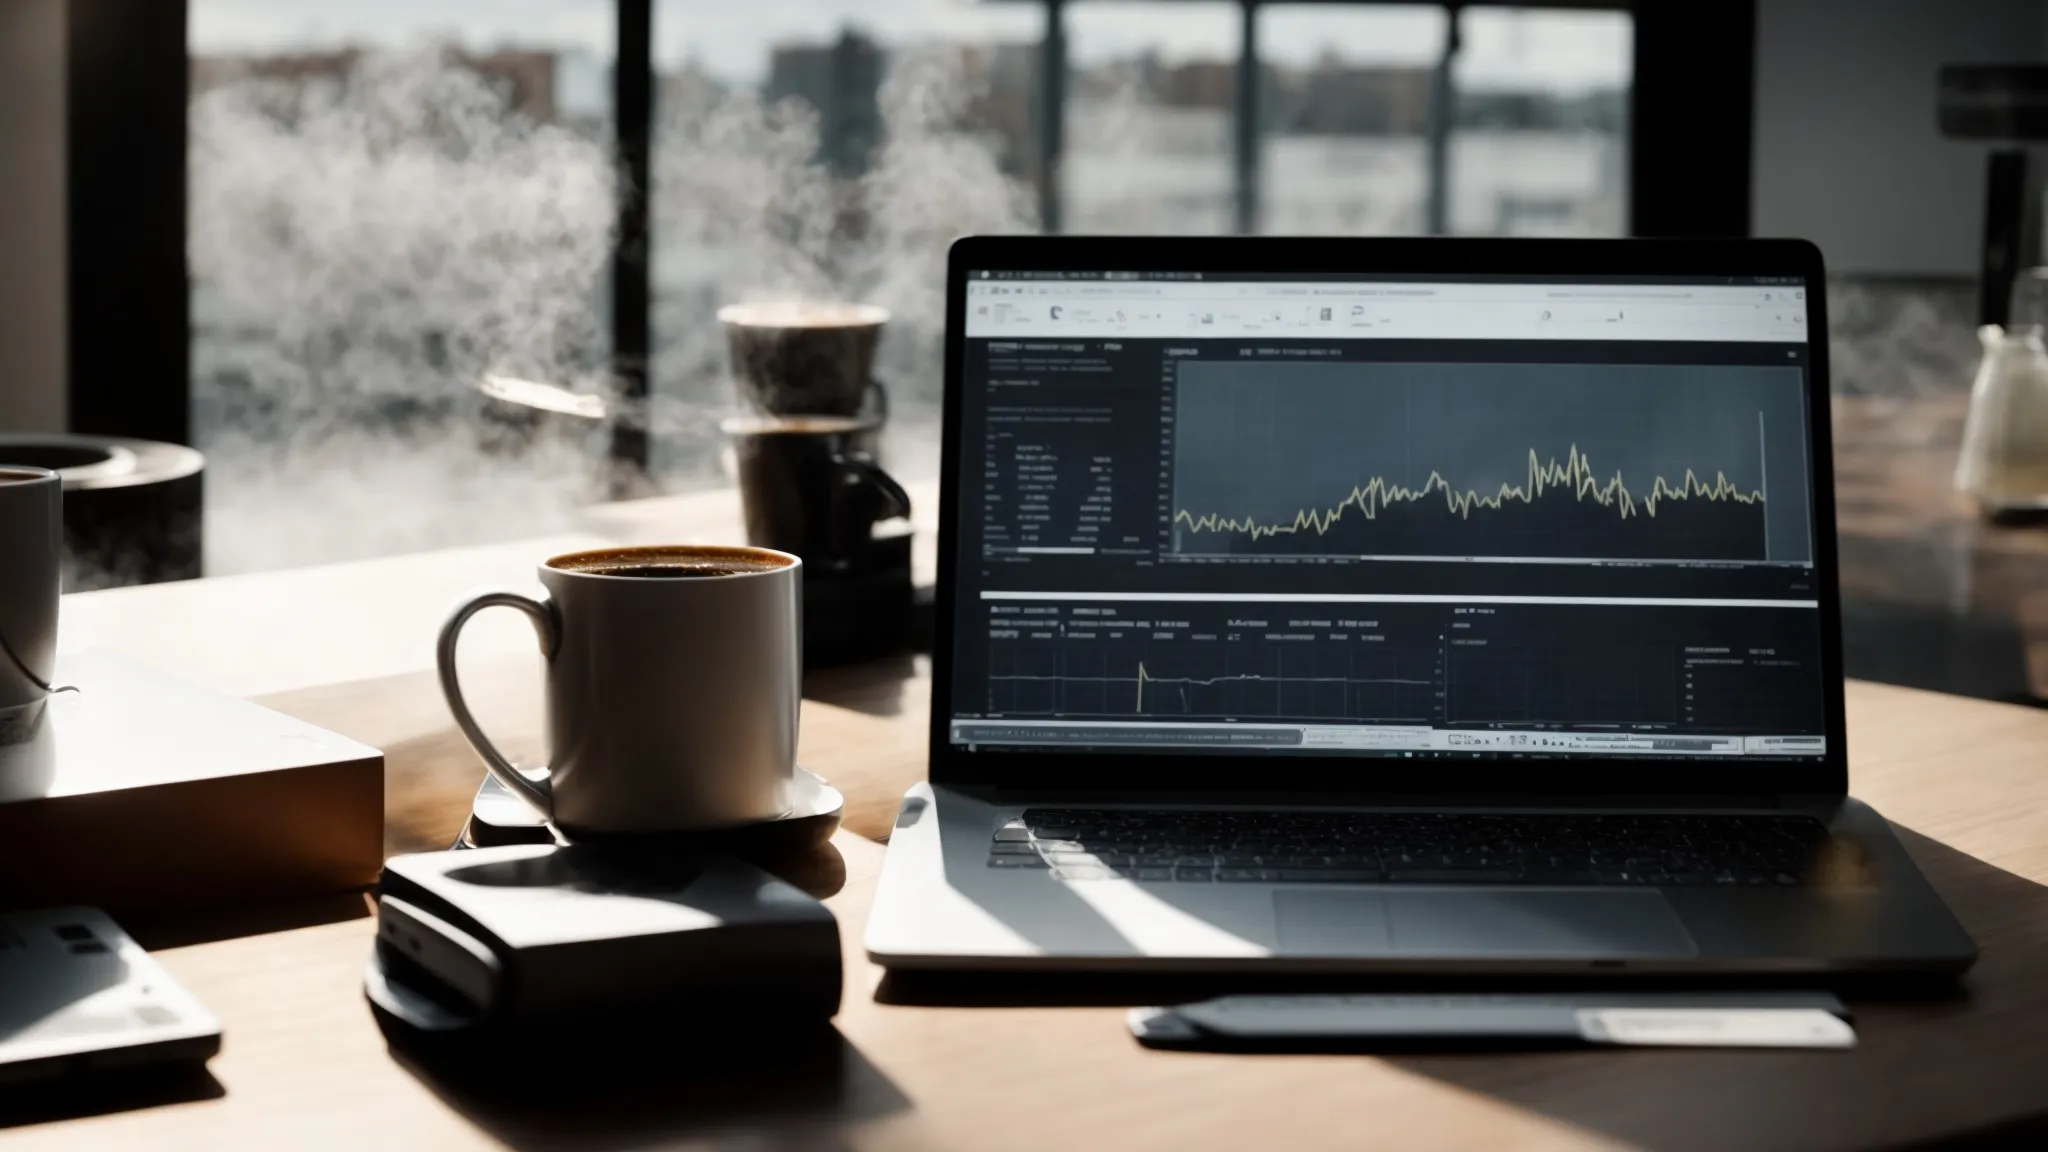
(1392, 605)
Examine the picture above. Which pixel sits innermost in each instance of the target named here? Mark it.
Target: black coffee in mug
(646, 564)
(807, 486)
(666, 572)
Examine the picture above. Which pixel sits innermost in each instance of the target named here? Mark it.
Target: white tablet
(78, 997)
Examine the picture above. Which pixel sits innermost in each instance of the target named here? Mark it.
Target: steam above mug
(804, 357)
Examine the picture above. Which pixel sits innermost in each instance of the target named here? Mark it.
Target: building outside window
(1150, 93)
(1539, 144)
(1347, 99)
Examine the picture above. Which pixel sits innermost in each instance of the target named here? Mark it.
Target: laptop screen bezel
(1324, 776)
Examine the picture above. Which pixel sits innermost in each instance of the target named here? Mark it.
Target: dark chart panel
(1514, 684)
(1089, 678)
(1520, 461)
(1479, 666)
(1683, 669)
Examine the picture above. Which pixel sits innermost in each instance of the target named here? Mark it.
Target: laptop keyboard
(1204, 846)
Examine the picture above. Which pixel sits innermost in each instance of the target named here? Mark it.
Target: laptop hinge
(1242, 798)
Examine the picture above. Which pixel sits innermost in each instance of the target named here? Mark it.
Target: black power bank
(575, 937)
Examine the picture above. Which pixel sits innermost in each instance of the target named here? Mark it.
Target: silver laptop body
(1391, 605)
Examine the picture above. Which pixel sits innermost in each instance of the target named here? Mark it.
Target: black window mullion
(1052, 112)
(1247, 127)
(1443, 117)
(632, 117)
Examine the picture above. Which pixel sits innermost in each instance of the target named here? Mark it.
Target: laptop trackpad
(1467, 922)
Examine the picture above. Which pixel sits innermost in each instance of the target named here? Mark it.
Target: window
(392, 204)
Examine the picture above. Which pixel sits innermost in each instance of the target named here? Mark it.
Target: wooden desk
(999, 1063)
(1933, 595)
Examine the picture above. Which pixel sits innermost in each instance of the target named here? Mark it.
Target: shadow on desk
(1963, 653)
(1935, 1061)
(876, 688)
(34, 1103)
(782, 1090)
(1077, 990)
(208, 925)
(820, 872)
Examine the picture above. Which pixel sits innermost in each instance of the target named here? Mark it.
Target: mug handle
(880, 395)
(862, 469)
(859, 473)
(541, 611)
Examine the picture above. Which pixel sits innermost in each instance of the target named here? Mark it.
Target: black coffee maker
(806, 446)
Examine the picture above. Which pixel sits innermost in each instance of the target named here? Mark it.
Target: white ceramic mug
(674, 678)
(31, 550)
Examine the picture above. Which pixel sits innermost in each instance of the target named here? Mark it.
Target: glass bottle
(2004, 461)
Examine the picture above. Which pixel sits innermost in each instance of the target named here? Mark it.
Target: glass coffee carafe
(2004, 461)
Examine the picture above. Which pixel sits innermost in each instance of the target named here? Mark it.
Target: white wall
(1847, 153)
(32, 235)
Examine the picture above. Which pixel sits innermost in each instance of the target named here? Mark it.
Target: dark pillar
(1691, 106)
(130, 340)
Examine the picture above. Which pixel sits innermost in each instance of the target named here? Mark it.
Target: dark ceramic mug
(808, 485)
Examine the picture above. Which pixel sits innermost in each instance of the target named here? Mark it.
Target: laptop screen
(1376, 516)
